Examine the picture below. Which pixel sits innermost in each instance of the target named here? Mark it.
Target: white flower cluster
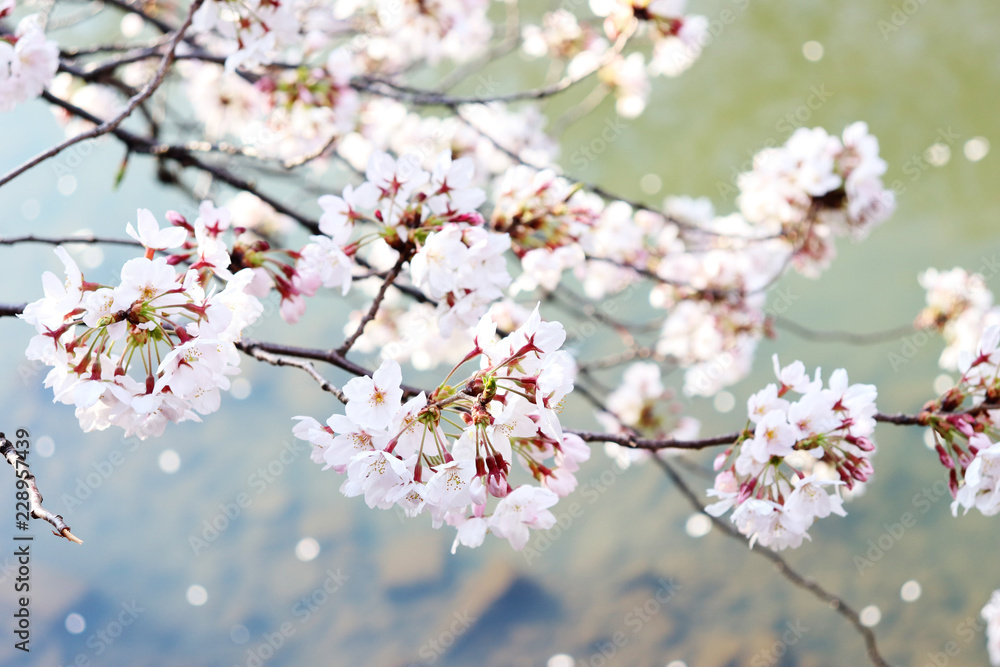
(991, 614)
(155, 348)
(398, 33)
(715, 337)
(638, 404)
(429, 216)
(28, 61)
(249, 33)
(817, 187)
(446, 455)
(303, 110)
(974, 470)
(561, 36)
(208, 253)
(676, 39)
(546, 219)
(960, 306)
(763, 476)
(981, 485)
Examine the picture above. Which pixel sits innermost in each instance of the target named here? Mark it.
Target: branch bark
(20, 467)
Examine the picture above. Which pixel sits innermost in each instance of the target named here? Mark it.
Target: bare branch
(111, 125)
(63, 240)
(376, 303)
(279, 360)
(331, 357)
(34, 496)
(784, 569)
(626, 440)
(846, 337)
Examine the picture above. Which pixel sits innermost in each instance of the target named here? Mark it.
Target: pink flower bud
(944, 457)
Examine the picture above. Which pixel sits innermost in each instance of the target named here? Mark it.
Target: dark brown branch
(11, 309)
(279, 360)
(34, 496)
(146, 146)
(626, 440)
(109, 126)
(376, 303)
(784, 569)
(331, 357)
(62, 240)
(901, 419)
(410, 95)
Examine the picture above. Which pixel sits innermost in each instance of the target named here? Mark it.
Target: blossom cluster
(715, 299)
(207, 251)
(158, 347)
(784, 474)
(817, 187)
(28, 61)
(429, 218)
(964, 426)
(960, 306)
(642, 404)
(248, 33)
(676, 40)
(449, 453)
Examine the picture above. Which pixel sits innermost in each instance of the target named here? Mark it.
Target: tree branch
(279, 360)
(784, 569)
(34, 496)
(846, 337)
(111, 125)
(376, 303)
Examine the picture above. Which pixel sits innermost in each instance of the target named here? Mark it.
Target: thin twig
(11, 309)
(373, 310)
(656, 443)
(62, 240)
(434, 98)
(846, 337)
(111, 125)
(279, 360)
(34, 496)
(331, 357)
(784, 569)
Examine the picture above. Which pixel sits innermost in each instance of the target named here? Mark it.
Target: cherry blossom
(506, 411)
(27, 63)
(157, 323)
(775, 477)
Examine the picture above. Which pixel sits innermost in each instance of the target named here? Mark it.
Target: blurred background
(222, 544)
